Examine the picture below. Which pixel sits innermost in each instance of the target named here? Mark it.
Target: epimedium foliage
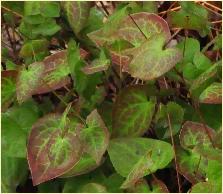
(111, 97)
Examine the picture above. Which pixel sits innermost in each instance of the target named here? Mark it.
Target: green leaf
(95, 136)
(113, 183)
(49, 187)
(206, 187)
(31, 8)
(8, 89)
(190, 71)
(218, 42)
(189, 47)
(28, 80)
(176, 114)
(13, 138)
(201, 61)
(212, 94)
(191, 165)
(77, 13)
(137, 157)
(50, 9)
(191, 16)
(132, 112)
(92, 188)
(53, 147)
(85, 165)
(152, 59)
(72, 185)
(204, 80)
(13, 172)
(150, 6)
(34, 46)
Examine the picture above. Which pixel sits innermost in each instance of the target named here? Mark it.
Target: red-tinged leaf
(28, 81)
(53, 147)
(212, 94)
(195, 136)
(55, 73)
(150, 60)
(77, 13)
(119, 59)
(132, 112)
(150, 24)
(95, 136)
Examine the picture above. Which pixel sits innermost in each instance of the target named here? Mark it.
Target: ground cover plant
(111, 97)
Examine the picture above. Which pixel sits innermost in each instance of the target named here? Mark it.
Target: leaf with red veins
(53, 147)
(150, 60)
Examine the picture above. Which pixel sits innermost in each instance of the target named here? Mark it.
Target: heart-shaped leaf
(28, 81)
(150, 60)
(212, 94)
(77, 13)
(95, 136)
(150, 24)
(132, 112)
(137, 157)
(196, 137)
(53, 147)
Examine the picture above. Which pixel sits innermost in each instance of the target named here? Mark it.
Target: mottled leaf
(150, 24)
(95, 136)
(132, 112)
(195, 136)
(53, 147)
(137, 157)
(212, 94)
(77, 13)
(152, 59)
(28, 81)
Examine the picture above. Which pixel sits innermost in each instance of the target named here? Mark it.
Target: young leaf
(95, 136)
(201, 61)
(212, 94)
(77, 13)
(53, 147)
(28, 81)
(150, 60)
(132, 112)
(137, 157)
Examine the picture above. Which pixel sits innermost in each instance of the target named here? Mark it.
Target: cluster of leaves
(106, 100)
